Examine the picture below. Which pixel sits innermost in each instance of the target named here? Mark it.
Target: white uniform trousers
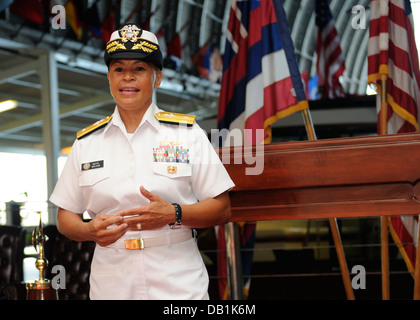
(171, 272)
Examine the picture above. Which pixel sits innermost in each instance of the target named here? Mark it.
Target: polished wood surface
(41, 294)
(336, 178)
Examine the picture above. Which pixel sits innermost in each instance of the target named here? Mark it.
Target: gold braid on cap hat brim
(114, 45)
(145, 46)
(142, 45)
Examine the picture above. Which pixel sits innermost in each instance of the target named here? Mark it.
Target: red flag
(216, 65)
(108, 27)
(202, 61)
(32, 10)
(393, 54)
(174, 46)
(174, 50)
(330, 57)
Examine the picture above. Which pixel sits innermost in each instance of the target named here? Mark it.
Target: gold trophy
(40, 289)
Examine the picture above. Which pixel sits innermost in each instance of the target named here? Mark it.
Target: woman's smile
(128, 90)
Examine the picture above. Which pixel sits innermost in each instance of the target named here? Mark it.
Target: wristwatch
(178, 217)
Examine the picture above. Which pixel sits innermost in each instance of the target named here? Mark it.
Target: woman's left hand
(154, 215)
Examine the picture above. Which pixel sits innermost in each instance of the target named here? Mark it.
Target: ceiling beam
(18, 71)
(74, 108)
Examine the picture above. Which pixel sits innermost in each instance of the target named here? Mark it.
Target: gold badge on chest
(172, 169)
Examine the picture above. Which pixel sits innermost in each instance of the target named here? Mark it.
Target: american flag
(392, 54)
(261, 83)
(330, 58)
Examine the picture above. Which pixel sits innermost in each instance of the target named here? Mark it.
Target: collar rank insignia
(93, 127)
(175, 118)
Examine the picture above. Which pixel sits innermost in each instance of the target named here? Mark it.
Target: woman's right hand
(103, 229)
(106, 229)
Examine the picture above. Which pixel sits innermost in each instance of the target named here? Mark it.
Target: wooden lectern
(337, 178)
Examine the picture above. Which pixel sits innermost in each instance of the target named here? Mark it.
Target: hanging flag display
(330, 58)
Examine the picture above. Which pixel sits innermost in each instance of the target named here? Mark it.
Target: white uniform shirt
(103, 175)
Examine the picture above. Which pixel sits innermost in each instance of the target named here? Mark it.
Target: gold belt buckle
(134, 244)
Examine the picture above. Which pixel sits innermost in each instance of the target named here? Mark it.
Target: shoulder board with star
(93, 127)
(175, 118)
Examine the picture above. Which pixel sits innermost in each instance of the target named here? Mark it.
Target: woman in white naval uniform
(146, 178)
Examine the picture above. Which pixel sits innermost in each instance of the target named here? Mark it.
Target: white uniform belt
(142, 243)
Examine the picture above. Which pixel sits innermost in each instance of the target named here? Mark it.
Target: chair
(75, 257)
(12, 244)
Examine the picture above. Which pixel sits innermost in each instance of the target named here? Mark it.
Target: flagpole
(417, 267)
(384, 106)
(384, 255)
(309, 124)
(384, 220)
(233, 259)
(333, 221)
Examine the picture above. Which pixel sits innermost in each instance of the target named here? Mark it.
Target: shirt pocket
(93, 176)
(172, 170)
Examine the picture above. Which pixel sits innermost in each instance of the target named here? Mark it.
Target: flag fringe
(403, 113)
(300, 106)
(374, 77)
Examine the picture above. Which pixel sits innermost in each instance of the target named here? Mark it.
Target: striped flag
(392, 54)
(404, 231)
(261, 81)
(330, 58)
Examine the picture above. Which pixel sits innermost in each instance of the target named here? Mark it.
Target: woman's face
(132, 83)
